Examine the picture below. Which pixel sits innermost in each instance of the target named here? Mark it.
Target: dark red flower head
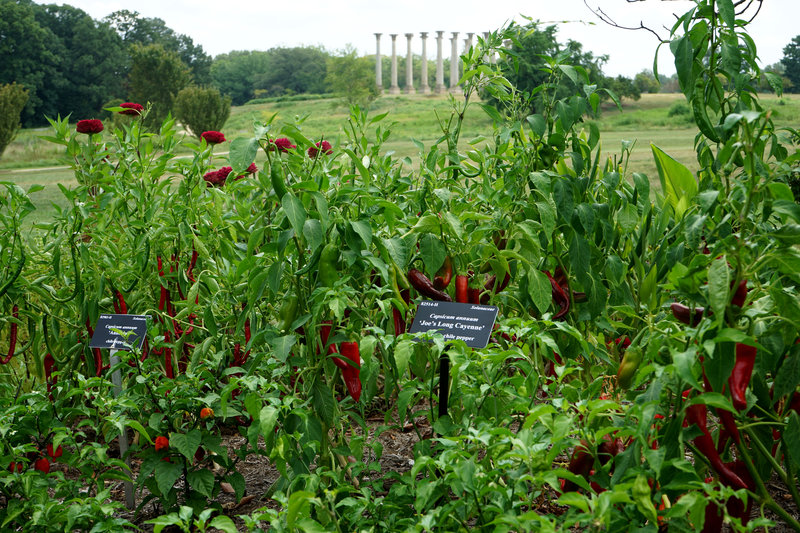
(89, 126)
(213, 137)
(252, 169)
(283, 144)
(131, 108)
(217, 178)
(325, 146)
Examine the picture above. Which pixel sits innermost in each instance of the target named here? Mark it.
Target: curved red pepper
(424, 286)
(12, 337)
(741, 374)
(697, 414)
(688, 315)
(443, 276)
(560, 297)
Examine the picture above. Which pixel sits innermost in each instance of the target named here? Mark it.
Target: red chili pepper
(443, 276)
(12, 337)
(688, 315)
(351, 373)
(740, 294)
(580, 463)
(474, 295)
(324, 335)
(424, 286)
(168, 357)
(122, 305)
(491, 286)
(697, 414)
(742, 372)
(462, 287)
(398, 317)
(559, 297)
(49, 366)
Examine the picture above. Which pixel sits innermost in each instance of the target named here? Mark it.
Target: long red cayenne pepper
(168, 357)
(12, 337)
(462, 288)
(560, 297)
(491, 286)
(697, 414)
(741, 374)
(324, 334)
(351, 373)
(98, 356)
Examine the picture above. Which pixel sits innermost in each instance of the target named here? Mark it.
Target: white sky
(221, 27)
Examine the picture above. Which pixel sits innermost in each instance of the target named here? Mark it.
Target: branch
(602, 15)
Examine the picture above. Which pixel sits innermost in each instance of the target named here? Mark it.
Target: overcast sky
(221, 27)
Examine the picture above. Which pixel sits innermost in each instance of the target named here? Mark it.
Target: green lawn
(28, 160)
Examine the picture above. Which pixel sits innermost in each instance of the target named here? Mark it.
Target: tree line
(70, 63)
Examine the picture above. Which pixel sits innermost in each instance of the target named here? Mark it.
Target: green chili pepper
(328, 273)
(287, 313)
(628, 367)
(278, 182)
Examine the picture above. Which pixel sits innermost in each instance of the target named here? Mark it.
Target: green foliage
(293, 71)
(679, 109)
(352, 78)
(235, 73)
(646, 82)
(156, 76)
(202, 109)
(13, 98)
(134, 29)
(553, 426)
(791, 64)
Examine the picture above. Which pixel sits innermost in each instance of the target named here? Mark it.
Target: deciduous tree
(12, 99)
(156, 76)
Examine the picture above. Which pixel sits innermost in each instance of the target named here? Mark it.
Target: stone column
(394, 88)
(468, 42)
(454, 88)
(378, 65)
(409, 66)
(439, 64)
(423, 83)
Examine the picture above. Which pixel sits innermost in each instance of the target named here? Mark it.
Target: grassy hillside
(662, 119)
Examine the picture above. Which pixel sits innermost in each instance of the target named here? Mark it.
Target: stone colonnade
(424, 88)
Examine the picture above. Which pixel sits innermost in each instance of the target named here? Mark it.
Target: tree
(29, 55)
(352, 77)
(235, 73)
(623, 87)
(93, 60)
(791, 64)
(134, 29)
(294, 71)
(156, 76)
(12, 99)
(529, 68)
(646, 82)
(202, 109)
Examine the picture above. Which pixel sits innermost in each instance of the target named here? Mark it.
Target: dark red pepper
(491, 286)
(424, 286)
(740, 294)
(688, 315)
(474, 296)
(443, 276)
(741, 374)
(12, 337)
(560, 297)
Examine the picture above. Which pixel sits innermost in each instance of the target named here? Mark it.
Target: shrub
(13, 98)
(202, 109)
(679, 109)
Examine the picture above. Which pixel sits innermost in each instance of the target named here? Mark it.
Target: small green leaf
(791, 438)
(677, 181)
(242, 152)
(719, 285)
(186, 443)
(540, 290)
(202, 481)
(295, 212)
(166, 475)
(223, 523)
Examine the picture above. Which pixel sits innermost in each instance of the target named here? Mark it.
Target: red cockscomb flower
(217, 178)
(162, 443)
(131, 108)
(213, 137)
(283, 144)
(89, 126)
(252, 169)
(325, 146)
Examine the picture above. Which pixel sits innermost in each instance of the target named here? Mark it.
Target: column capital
(393, 36)
(423, 34)
(409, 35)
(378, 35)
(439, 34)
